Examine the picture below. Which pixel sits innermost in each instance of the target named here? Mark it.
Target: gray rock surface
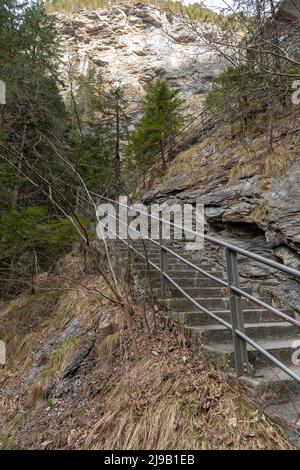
(78, 357)
(245, 213)
(51, 345)
(135, 44)
(274, 211)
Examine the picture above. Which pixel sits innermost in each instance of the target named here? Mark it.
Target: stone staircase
(273, 389)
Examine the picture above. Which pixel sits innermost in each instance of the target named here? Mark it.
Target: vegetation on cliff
(194, 10)
(70, 322)
(48, 146)
(161, 119)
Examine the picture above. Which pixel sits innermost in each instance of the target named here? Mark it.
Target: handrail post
(237, 320)
(162, 257)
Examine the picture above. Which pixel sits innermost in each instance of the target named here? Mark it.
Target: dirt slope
(71, 382)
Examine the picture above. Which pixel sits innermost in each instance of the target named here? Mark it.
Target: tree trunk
(117, 153)
(162, 154)
(15, 194)
(270, 128)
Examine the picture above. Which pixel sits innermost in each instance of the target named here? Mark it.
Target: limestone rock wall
(134, 45)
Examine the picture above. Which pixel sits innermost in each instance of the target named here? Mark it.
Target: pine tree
(114, 111)
(160, 122)
(33, 130)
(102, 113)
(34, 118)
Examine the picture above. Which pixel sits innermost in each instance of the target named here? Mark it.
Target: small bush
(30, 240)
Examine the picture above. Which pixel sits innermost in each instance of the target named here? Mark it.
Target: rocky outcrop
(242, 187)
(134, 45)
(275, 211)
(250, 199)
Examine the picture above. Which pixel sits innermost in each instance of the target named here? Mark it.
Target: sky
(213, 4)
(217, 3)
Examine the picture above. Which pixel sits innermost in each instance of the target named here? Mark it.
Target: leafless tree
(255, 39)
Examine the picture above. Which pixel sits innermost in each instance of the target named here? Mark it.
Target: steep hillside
(243, 188)
(71, 381)
(239, 182)
(251, 197)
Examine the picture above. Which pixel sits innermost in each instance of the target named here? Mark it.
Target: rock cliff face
(251, 198)
(274, 211)
(134, 45)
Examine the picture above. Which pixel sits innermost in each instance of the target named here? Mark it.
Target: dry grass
(29, 320)
(162, 404)
(236, 153)
(37, 393)
(169, 399)
(105, 347)
(277, 163)
(258, 213)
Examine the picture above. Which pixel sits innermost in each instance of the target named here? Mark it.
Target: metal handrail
(176, 255)
(189, 297)
(214, 240)
(235, 293)
(197, 268)
(272, 309)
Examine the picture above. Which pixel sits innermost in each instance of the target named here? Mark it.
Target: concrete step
(170, 260)
(170, 257)
(272, 385)
(197, 318)
(195, 292)
(189, 273)
(201, 291)
(150, 252)
(278, 393)
(287, 415)
(155, 251)
(169, 244)
(153, 248)
(152, 244)
(222, 353)
(139, 244)
(210, 303)
(216, 333)
(173, 266)
(187, 282)
(136, 243)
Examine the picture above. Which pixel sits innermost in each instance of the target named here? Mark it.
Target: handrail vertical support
(237, 320)
(162, 257)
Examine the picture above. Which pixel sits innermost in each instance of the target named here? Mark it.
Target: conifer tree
(104, 122)
(160, 122)
(33, 130)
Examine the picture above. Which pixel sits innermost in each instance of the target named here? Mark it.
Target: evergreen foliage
(30, 241)
(33, 127)
(231, 92)
(194, 10)
(243, 91)
(104, 133)
(160, 121)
